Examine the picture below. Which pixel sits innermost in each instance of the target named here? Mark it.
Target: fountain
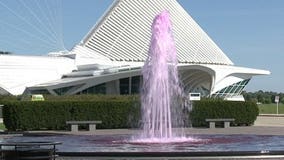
(161, 91)
(162, 107)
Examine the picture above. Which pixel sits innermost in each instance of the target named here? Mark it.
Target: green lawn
(270, 108)
(2, 126)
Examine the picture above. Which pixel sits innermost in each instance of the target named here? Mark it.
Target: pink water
(161, 92)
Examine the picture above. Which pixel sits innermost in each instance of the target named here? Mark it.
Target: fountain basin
(231, 143)
(193, 144)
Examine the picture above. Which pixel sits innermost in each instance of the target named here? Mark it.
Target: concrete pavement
(264, 125)
(270, 120)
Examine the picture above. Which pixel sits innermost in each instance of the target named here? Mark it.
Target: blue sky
(250, 32)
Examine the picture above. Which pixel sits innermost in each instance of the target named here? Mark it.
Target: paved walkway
(264, 125)
(270, 120)
(267, 124)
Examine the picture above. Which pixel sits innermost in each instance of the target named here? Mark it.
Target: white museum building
(109, 58)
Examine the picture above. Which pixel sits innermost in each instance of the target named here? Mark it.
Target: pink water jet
(162, 95)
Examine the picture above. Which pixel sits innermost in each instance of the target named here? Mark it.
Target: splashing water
(161, 92)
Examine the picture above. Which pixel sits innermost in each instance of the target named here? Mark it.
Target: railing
(28, 150)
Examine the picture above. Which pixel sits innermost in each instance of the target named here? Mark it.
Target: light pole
(277, 101)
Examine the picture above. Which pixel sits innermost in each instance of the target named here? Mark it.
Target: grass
(2, 126)
(271, 108)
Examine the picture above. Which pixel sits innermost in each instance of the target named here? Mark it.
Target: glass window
(124, 86)
(62, 91)
(135, 85)
(239, 89)
(235, 87)
(232, 90)
(40, 91)
(98, 89)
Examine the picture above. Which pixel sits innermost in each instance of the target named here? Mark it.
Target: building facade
(109, 58)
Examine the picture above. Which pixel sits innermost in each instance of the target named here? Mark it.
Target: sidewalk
(261, 127)
(264, 125)
(270, 120)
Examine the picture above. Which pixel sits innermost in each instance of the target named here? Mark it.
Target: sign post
(277, 101)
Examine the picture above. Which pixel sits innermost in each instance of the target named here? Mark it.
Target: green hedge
(27, 115)
(244, 113)
(85, 97)
(114, 111)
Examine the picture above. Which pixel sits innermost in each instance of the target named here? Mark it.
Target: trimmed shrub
(9, 98)
(244, 113)
(27, 115)
(86, 97)
(113, 111)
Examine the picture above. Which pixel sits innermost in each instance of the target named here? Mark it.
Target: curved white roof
(124, 32)
(18, 72)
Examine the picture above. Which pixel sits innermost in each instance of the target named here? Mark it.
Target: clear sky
(250, 32)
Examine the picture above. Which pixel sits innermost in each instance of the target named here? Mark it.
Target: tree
(282, 100)
(5, 52)
(263, 97)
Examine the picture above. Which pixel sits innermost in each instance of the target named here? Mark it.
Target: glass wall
(62, 91)
(232, 90)
(40, 91)
(135, 84)
(134, 87)
(98, 89)
(130, 85)
(124, 86)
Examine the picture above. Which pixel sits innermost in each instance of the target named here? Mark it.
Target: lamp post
(277, 101)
